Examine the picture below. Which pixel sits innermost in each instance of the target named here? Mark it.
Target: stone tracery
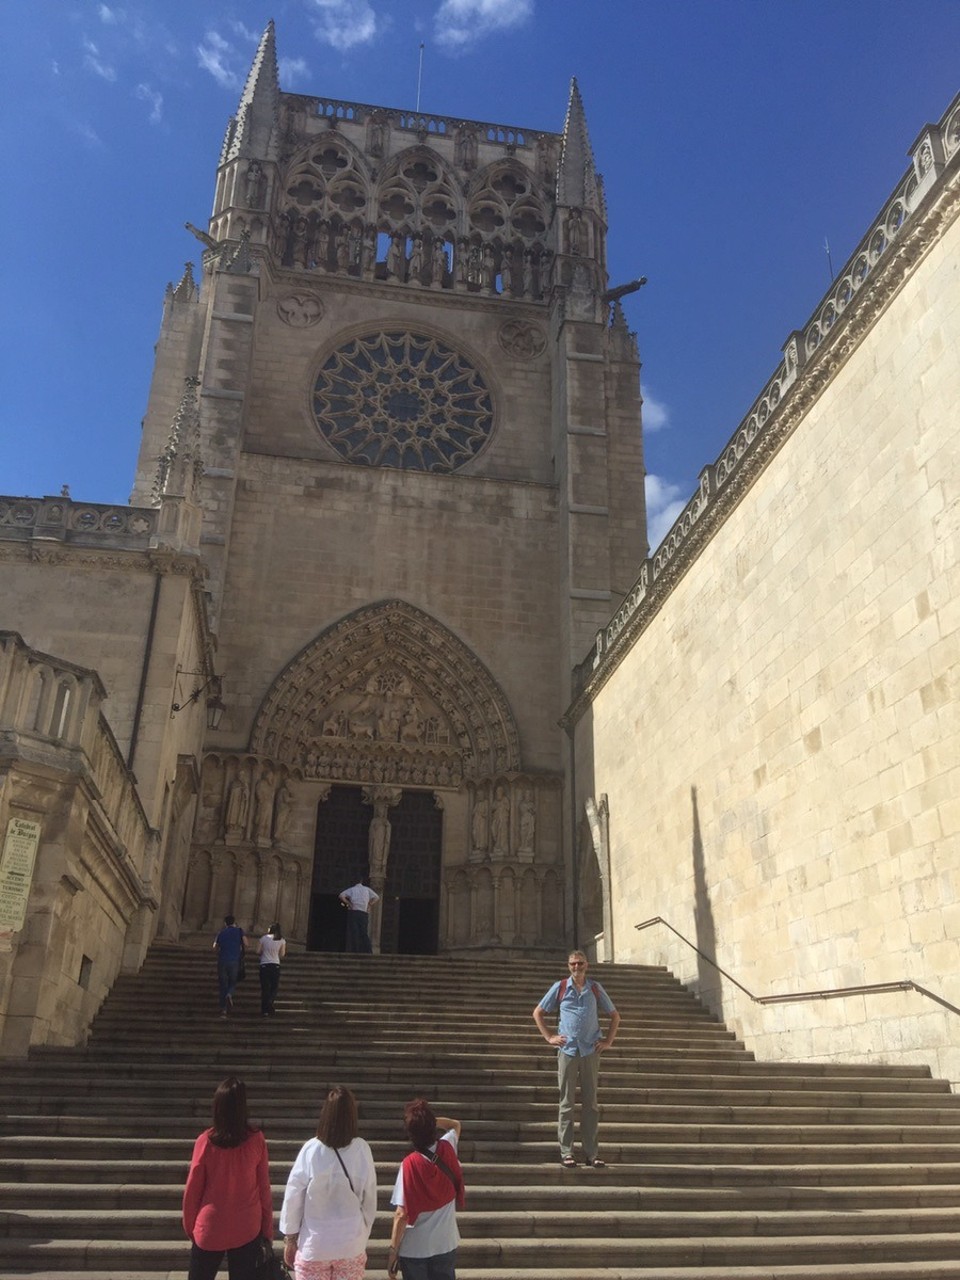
(402, 400)
(417, 220)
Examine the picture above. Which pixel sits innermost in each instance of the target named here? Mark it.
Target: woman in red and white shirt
(427, 1194)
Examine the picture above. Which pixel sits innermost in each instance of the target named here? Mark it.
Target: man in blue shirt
(579, 1042)
(229, 945)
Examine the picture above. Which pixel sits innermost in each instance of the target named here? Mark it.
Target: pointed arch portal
(388, 694)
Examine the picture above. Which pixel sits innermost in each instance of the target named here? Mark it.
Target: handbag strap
(344, 1168)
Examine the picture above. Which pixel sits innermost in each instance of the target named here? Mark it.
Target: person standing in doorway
(579, 1043)
(229, 945)
(358, 900)
(272, 950)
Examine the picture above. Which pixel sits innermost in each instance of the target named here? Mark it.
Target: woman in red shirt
(227, 1205)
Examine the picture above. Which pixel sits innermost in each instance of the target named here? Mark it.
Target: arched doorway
(409, 914)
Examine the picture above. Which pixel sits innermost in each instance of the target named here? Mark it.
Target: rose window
(402, 400)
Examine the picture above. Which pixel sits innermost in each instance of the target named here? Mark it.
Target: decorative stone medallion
(300, 310)
(522, 339)
(403, 400)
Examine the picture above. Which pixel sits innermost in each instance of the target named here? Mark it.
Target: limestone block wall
(314, 541)
(790, 799)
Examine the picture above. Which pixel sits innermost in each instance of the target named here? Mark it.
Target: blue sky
(734, 137)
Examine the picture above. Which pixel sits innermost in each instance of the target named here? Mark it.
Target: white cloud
(155, 99)
(87, 133)
(343, 24)
(291, 70)
(459, 23)
(656, 415)
(240, 29)
(665, 501)
(110, 17)
(93, 62)
(218, 56)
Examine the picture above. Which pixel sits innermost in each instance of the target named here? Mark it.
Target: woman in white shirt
(331, 1197)
(272, 950)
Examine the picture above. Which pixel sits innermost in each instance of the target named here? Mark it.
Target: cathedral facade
(392, 464)
(364, 616)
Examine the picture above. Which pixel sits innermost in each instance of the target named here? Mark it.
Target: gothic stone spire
(252, 131)
(577, 183)
(179, 467)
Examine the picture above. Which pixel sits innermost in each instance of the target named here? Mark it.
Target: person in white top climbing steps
(579, 1042)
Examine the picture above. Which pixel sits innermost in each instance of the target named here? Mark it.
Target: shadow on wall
(708, 980)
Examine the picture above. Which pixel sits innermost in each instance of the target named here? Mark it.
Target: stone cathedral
(400, 380)
(381, 606)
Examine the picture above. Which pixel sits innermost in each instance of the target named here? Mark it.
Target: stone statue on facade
(462, 263)
(527, 822)
(416, 259)
(500, 822)
(528, 273)
(283, 811)
(255, 185)
(478, 828)
(378, 846)
(238, 803)
(343, 249)
(465, 149)
(487, 273)
(263, 808)
(395, 257)
(439, 256)
(575, 233)
(369, 250)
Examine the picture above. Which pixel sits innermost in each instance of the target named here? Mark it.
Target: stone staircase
(719, 1166)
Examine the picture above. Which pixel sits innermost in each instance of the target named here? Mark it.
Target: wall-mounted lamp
(215, 705)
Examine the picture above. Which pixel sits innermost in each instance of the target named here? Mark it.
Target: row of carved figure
(255, 801)
(502, 823)
(310, 243)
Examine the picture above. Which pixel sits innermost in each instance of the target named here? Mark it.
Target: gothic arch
(388, 694)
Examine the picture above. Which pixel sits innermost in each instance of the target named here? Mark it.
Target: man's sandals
(568, 1162)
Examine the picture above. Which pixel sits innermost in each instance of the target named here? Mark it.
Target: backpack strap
(563, 986)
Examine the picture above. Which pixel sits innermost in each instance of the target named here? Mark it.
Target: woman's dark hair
(338, 1119)
(420, 1123)
(230, 1123)
(276, 932)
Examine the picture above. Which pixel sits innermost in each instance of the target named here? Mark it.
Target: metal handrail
(794, 997)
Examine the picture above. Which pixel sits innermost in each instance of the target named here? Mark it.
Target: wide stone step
(506, 1134)
(483, 1100)
(574, 1253)
(586, 1190)
(928, 1269)
(82, 1161)
(38, 1224)
(740, 1075)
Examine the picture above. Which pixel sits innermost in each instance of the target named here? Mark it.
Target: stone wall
(790, 801)
(71, 916)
